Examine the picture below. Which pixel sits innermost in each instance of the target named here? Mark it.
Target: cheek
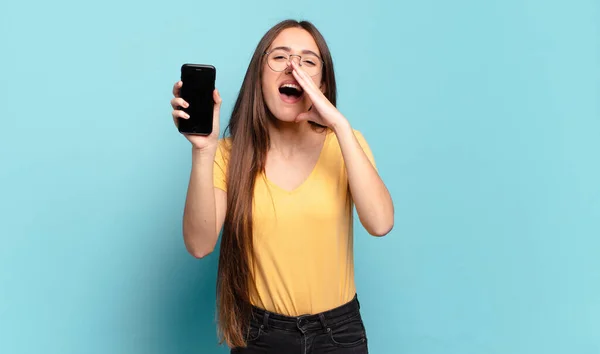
(268, 90)
(318, 80)
(268, 78)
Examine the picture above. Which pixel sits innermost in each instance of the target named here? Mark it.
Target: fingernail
(187, 115)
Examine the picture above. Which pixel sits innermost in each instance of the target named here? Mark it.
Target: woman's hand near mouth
(322, 111)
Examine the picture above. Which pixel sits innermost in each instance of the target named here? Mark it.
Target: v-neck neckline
(310, 175)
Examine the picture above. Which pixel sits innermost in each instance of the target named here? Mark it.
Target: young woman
(282, 186)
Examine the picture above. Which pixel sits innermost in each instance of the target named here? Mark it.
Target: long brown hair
(247, 156)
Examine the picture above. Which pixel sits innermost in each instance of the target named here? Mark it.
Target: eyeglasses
(279, 60)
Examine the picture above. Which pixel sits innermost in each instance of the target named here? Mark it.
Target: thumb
(306, 116)
(216, 110)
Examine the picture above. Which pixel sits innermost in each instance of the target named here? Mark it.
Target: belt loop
(266, 320)
(323, 323)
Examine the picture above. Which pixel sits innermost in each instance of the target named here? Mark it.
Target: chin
(288, 113)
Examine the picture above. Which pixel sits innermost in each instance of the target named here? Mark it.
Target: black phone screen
(197, 90)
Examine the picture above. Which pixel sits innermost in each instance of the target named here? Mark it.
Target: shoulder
(224, 147)
(224, 143)
(221, 162)
(222, 153)
(360, 137)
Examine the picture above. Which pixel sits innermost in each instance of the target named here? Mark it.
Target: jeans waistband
(267, 319)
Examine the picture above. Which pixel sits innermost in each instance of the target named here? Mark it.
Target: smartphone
(197, 90)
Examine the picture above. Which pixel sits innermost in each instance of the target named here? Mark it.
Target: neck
(289, 136)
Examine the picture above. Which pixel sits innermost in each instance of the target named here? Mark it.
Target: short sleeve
(365, 146)
(220, 166)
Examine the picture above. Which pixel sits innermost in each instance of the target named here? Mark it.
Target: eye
(309, 62)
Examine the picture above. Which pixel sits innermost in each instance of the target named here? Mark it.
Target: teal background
(483, 117)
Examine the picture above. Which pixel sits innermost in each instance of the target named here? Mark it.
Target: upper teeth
(294, 86)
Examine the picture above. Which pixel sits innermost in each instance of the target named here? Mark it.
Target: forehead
(297, 39)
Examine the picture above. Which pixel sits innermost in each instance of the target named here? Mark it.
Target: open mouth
(291, 92)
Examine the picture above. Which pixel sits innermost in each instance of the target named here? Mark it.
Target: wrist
(203, 155)
(340, 125)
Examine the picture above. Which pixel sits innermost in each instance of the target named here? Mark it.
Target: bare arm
(205, 207)
(371, 197)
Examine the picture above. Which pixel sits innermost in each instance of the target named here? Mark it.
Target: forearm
(371, 197)
(199, 219)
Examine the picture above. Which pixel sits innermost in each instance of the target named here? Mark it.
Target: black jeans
(337, 331)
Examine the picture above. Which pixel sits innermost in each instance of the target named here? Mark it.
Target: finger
(177, 88)
(306, 116)
(179, 114)
(311, 91)
(297, 71)
(301, 80)
(307, 78)
(216, 111)
(178, 102)
(218, 100)
(304, 80)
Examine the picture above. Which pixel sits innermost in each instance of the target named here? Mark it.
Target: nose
(297, 57)
(288, 69)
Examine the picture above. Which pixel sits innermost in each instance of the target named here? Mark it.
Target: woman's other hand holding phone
(202, 144)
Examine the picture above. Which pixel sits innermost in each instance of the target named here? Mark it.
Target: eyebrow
(288, 49)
